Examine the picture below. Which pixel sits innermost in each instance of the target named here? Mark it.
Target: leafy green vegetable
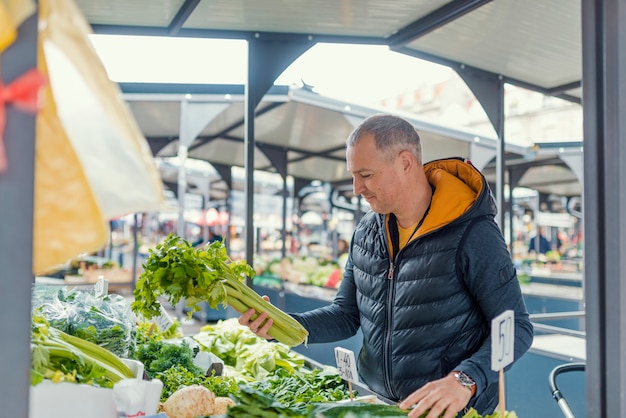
(355, 410)
(252, 403)
(303, 387)
(92, 324)
(159, 355)
(176, 269)
(178, 376)
(106, 321)
(254, 357)
(58, 356)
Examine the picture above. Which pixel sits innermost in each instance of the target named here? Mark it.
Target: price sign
(163, 321)
(101, 288)
(502, 340)
(346, 364)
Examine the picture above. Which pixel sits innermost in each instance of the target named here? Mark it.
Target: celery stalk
(178, 270)
(284, 329)
(54, 351)
(98, 354)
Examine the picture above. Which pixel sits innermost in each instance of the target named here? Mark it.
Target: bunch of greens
(106, 321)
(100, 327)
(176, 269)
(253, 357)
(299, 389)
(251, 403)
(178, 376)
(160, 355)
(61, 357)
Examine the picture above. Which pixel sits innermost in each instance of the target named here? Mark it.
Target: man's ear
(407, 160)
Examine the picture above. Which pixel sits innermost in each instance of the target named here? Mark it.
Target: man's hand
(445, 394)
(261, 325)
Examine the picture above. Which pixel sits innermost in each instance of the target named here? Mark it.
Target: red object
(213, 218)
(334, 279)
(23, 93)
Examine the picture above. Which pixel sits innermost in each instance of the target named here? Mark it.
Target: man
(428, 269)
(544, 244)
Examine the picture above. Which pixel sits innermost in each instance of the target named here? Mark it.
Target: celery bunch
(179, 271)
(61, 357)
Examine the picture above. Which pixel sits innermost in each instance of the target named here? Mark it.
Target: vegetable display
(254, 403)
(303, 387)
(179, 271)
(178, 376)
(159, 355)
(252, 357)
(171, 360)
(106, 321)
(305, 269)
(62, 357)
(261, 378)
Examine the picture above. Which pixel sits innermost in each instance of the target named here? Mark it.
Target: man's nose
(357, 186)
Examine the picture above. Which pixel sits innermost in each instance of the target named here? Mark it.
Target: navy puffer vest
(408, 321)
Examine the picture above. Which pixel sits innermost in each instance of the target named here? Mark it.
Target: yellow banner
(12, 14)
(92, 162)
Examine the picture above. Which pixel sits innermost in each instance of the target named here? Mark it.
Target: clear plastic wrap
(107, 321)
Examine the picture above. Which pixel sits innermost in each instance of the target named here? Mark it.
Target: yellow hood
(457, 184)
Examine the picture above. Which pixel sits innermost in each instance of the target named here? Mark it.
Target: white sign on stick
(502, 340)
(163, 321)
(101, 288)
(346, 364)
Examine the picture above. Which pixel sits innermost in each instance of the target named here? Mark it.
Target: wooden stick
(501, 397)
(350, 389)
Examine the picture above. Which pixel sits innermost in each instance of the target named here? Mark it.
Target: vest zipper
(387, 344)
(392, 268)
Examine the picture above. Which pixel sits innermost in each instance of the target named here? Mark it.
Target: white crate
(69, 400)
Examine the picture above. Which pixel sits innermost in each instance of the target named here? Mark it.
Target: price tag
(502, 340)
(163, 321)
(346, 364)
(101, 288)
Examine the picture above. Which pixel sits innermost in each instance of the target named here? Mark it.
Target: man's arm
(337, 321)
(485, 265)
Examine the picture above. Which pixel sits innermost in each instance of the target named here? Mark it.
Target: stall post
(16, 230)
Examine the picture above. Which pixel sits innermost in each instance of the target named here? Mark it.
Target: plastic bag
(107, 321)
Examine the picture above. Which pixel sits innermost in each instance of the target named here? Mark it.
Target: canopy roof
(312, 129)
(533, 44)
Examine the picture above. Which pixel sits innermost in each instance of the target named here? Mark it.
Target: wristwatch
(465, 381)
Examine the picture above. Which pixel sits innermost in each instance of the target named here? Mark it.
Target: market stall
(602, 92)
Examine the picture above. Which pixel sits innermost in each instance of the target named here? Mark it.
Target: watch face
(464, 379)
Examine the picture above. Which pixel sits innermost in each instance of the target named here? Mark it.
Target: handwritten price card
(101, 288)
(346, 364)
(502, 340)
(163, 321)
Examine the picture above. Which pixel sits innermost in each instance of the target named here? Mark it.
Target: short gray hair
(392, 135)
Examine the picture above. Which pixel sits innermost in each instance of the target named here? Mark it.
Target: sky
(362, 74)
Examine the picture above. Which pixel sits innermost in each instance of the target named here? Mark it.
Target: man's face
(379, 182)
